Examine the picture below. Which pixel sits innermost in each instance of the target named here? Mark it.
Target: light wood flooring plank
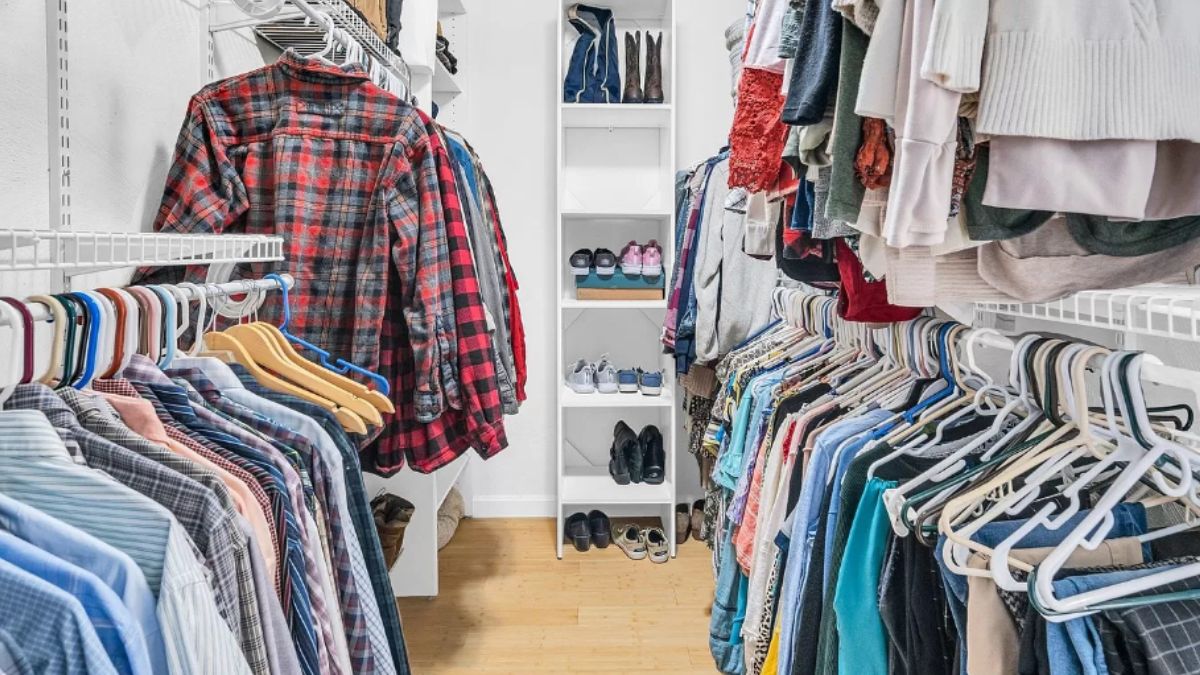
(507, 605)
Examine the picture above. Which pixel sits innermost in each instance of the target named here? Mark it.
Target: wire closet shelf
(82, 252)
(1159, 310)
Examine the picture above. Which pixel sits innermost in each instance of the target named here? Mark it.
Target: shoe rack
(616, 166)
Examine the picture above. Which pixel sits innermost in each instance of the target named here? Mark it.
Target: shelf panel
(572, 303)
(451, 8)
(616, 115)
(83, 252)
(572, 400)
(593, 485)
(616, 215)
(443, 81)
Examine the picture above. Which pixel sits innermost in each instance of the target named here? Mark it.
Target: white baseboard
(513, 506)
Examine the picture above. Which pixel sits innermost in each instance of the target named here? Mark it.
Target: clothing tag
(326, 108)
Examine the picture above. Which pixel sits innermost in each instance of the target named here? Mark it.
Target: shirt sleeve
(203, 190)
(954, 53)
(423, 264)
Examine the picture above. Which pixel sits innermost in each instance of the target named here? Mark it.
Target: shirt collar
(316, 70)
(139, 416)
(214, 370)
(142, 369)
(39, 397)
(28, 433)
(198, 380)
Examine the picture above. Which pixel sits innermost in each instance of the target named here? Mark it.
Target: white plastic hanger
(17, 361)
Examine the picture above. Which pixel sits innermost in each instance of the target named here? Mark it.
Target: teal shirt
(854, 599)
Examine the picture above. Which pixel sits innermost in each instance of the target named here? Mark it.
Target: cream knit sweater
(1073, 69)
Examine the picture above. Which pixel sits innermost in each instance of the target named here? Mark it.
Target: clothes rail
(41, 314)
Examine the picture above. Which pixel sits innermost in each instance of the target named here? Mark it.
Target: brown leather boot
(633, 70)
(654, 87)
(392, 515)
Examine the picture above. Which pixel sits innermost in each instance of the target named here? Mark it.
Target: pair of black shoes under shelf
(585, 530)
(637, 458)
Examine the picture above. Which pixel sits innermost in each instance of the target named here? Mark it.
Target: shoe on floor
(392, 514)
(605, 261)
(631, 259)
(581, 262)
(581, 377)
(606, 376)
(656, 544)
(697, 519)
(683, 523)
(625, 441)
(600, 528)
(577, 532)
(629, 539)
(654, 457)
(627, 381)
(650, 382)
(652, 258)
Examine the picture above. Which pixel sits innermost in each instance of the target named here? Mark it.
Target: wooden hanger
(382, 403)
(222, 341)
(267, 353)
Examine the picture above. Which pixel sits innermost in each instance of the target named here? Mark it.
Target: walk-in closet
(755, 337)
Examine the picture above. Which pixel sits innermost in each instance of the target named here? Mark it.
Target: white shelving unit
(615, 184)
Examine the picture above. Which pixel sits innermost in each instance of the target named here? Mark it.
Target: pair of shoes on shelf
(633, 380)
(584, 531)
(392, 515)
(602, 259)
(585, 377)
(689, 521)
(642, 260)
(637, 458)
(442, 51)
(653, 91)
(638, 543)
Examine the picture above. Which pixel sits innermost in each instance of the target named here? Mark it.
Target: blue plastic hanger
(93, 335)
(341, 366)
(170, 326)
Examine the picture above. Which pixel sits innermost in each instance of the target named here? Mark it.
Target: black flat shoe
(653, 455)
(601, 529)
(576, 530)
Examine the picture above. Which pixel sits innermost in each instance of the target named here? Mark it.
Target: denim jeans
(593, 73)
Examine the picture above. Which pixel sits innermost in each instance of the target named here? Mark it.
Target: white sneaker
(581, 378)
(606, 376)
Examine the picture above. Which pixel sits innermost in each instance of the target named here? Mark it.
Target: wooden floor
(507, 605)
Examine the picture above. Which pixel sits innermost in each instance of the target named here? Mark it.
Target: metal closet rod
(41, 313)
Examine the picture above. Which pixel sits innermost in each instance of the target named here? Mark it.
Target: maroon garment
(865, 301)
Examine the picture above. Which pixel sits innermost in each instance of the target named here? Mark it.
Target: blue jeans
(593, 73)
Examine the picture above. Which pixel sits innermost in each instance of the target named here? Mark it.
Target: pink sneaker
(652, 260)
(631, 259)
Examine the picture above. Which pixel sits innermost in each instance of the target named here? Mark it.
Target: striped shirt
(360, 613)
(36, 469)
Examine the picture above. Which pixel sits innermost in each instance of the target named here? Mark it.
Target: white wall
(511, 93)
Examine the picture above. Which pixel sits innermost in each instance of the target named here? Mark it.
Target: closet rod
(41, 313)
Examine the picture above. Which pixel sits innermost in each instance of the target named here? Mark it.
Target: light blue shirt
(807, 517)
(116, 569)
(49, 626)
(760, 388)
(36, 469)
(114, 625)
(863, 646)
(729, 462)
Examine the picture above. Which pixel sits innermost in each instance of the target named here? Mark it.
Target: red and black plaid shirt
(346, 173)
(476, 419)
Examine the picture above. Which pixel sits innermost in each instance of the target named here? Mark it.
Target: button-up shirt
(116, 569)
(360, 509)
(35, 469)
(51, 627)
(346, 174)
(360, 613)
(115, 627)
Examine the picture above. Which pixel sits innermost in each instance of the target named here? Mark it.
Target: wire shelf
(1159, 310)
(82, 252)
(307, 37)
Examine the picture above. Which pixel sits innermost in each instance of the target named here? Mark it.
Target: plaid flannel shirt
(478, 419)
(345, 172)
(221, 543)
(360, 510)
(354, 617)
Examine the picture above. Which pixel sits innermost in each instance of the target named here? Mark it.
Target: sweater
(845, 191)
(1073, 69)
(814, 76)
(876, 95)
